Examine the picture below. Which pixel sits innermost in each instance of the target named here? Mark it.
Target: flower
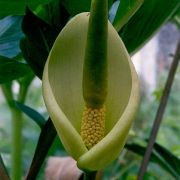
(63, 94)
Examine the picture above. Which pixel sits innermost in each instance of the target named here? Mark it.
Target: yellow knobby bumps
(93, 126)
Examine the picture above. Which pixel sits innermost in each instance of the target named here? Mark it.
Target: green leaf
(176, 18)
(146, 21)
(125, 11)
(11, 69)
(172, 160)
(33, 114)
(45, 141)
(54, 13)
(10, 35)
(160, 155)
(74, 7)
(3, 171)
(38, 41)
(11, 7)
(40, 34)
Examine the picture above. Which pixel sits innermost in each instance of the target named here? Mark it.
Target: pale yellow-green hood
(62, 92)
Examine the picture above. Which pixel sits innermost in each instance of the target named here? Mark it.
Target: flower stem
(160, 113)
(16, 120)
(17, 124)
(16, 143)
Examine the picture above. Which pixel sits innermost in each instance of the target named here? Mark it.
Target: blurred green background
(152, 63)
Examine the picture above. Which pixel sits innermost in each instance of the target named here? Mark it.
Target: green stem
(17, 124)
(160, 113)
(89, 175)
(16, 143)
(6, 89)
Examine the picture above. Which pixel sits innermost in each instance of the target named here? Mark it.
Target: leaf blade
(11, 70)
(125, 11)
(46, 138)
(11, 7)
(31, 113)
(10, 35)
(157, 156)
(146, 21)
(3, 171)
(40, 37)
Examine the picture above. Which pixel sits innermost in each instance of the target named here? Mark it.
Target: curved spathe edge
(69, 136)
(110, 146)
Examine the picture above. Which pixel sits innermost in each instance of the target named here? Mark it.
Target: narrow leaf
(125, 11)
(33, 114)
(156, 157)
(176, 18)
(45, 141)
(172, 160)
(3, 172)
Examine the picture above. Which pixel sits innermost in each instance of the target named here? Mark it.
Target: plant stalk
(17, 124)
(160, 112)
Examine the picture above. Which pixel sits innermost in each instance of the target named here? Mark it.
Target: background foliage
(27, 32)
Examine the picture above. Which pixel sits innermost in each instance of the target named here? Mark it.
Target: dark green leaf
(158, 156)
(74, 7)
(3, 172)
(33, 114)
(10, 35)
(11, 69)
(168, 157)
(176, 18)
(54, 14)
(45, 141)
(11, 7)
(39, 39)
(57, 146)
(125, 11)
(146, 21)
